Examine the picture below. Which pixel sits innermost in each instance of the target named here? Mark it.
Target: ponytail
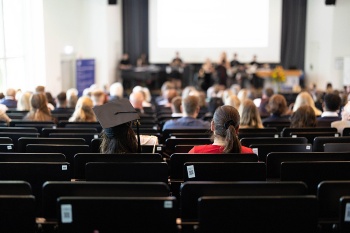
(226, 120)
(232, 143)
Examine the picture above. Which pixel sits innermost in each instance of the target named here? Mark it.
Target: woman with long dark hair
(225, 126)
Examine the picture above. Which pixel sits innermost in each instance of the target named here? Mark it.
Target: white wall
(327, 40)
(92, 27)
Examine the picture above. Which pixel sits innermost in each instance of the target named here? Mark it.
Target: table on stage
(292, 78)
(143, 76)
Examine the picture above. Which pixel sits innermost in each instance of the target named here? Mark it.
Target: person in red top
(225, 126)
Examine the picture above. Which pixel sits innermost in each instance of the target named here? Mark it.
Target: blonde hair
(304, 98)
(23, 103)
(250, 116)
(83, 111)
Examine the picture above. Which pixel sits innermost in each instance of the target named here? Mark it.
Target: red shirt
(215, 149)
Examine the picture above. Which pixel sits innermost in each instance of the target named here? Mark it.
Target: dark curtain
(135, 28)
(293, 34)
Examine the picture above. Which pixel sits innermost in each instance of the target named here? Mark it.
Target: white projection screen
(201, 29)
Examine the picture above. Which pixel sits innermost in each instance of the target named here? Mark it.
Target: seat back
(336, 147)
(117, 214)
(258, 214)
(312, 173)
(270, 140)
(224, 171)
(191, 191)
(86, 136)
(319, 142)
(15, 136)
(32, 157)
(15, 187)
(274, 160)
(170, 143)
(7, 148)
(328, 195)
(17, 213)
(263, 149)
(55, 189)
(47, 131)
(287, 132)
(344, 220)
(24, 141)
(177, 161)
(35, 173)
(123, 171)
(81, 159)
(312, 135)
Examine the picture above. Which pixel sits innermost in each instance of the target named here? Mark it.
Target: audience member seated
(250, 117)
(116, 91)
(136, 99)
(83, 111)
(166, 85)
(190, 106)
(168, 95)
(39, 110)
(225, 125)
(41, 89)
(72, 97)
(304, 116)
(23, 103)
(146, 95)
(331, 106)
(233, 101)
(10, 99)
(267, 93)
(304, 98)
(176, 107)
(61, 104)
(50, 99)
(98, 97)
(278, 109)
(117, 135)
(345, 121)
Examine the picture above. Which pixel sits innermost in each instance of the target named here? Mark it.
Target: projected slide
(201, 29)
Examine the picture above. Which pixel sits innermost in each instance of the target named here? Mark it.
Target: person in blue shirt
(190, 109)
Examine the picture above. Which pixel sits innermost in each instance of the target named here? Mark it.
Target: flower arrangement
(278, 74)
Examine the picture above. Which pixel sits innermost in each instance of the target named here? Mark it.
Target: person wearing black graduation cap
(116, 118)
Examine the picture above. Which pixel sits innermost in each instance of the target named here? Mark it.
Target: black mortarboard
(115, 113)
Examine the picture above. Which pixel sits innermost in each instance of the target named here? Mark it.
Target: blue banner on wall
(85, 73)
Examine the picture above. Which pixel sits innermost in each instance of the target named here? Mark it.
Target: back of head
(83, 111)
(190, 105)
(250, 115)
(304, 116)
(303, 98)
(40, 89)
(98, 97)
(62, 98)
(233, 101)
(277, 105)
(72, 97)
(116, 89)
(38, 101)
(214, 103)
(23, 103)
(268, 92)
(332, 102)
(176, 104)
(226, 121)
(11, 92)
(136, 99)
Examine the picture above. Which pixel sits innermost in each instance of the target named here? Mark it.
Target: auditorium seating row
(66, 206)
